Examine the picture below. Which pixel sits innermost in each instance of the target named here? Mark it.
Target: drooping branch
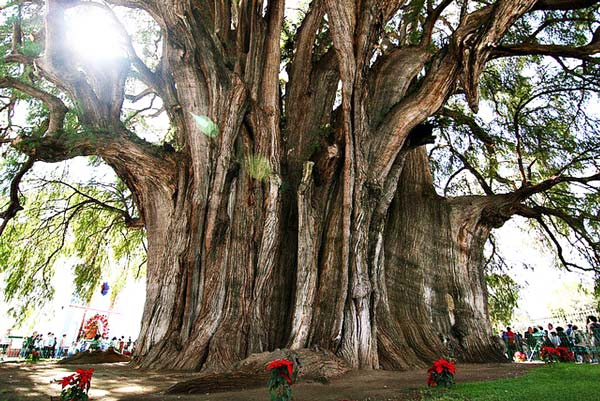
(460, 118)
(130, 221)
(558, 246)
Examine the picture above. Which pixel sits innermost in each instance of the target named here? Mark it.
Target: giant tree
(292, 203)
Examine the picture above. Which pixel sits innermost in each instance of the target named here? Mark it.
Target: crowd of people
(50, 346)
(583, 342)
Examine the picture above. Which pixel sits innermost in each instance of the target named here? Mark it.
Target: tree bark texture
(345, 245)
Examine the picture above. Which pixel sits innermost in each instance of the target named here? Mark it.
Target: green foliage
(561, 381)
(258, 167)
(31, 49)
(503, 298)
(68, 223)
(538, 120)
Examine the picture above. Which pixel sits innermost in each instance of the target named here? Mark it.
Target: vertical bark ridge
(307, 263)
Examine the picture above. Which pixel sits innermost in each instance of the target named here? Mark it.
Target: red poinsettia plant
(441, 373)
(565, 355)
(558, 354)
(75, 387)
(283, 375)
(550, 354)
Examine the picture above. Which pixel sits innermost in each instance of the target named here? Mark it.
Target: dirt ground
(118, 381)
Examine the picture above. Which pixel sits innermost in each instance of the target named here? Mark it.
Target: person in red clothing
(510, 339)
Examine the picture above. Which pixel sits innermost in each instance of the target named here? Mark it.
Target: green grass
(555, 382)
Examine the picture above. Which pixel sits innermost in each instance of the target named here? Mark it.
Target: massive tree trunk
(215, 299)
(344, 245)
(434, 276)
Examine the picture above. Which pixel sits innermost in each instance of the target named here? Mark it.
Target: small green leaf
(206, 125)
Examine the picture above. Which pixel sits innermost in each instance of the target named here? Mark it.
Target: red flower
(65, 381)
(282, 363)
(85, 376)
(442, 371)
(451, 368)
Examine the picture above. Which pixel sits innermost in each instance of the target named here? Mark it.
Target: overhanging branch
(130, 221)
(57, 108)
(585, 53)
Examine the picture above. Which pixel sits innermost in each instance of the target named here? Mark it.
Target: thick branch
(528, 49)
(56, 107)
(461, 118)
(391, 77)
(527, 191)
(272, 54)
(14, 205)
(563, 5)
(432, 18)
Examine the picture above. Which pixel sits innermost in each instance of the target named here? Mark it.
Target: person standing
(564, 339)
(4, 344)
(38, 345)
(52, 342)
(580, 345)
(593, 328)
(511, 342)
(62, 347)
(28, 345)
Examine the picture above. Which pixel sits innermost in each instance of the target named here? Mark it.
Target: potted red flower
(441, 373)
(283, 375)
(75, 387)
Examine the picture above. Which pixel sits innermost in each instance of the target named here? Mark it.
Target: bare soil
(118, 381)
(95, 357)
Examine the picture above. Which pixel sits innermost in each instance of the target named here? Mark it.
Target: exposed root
(315, 365)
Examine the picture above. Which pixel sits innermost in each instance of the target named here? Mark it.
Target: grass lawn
(565, 381)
